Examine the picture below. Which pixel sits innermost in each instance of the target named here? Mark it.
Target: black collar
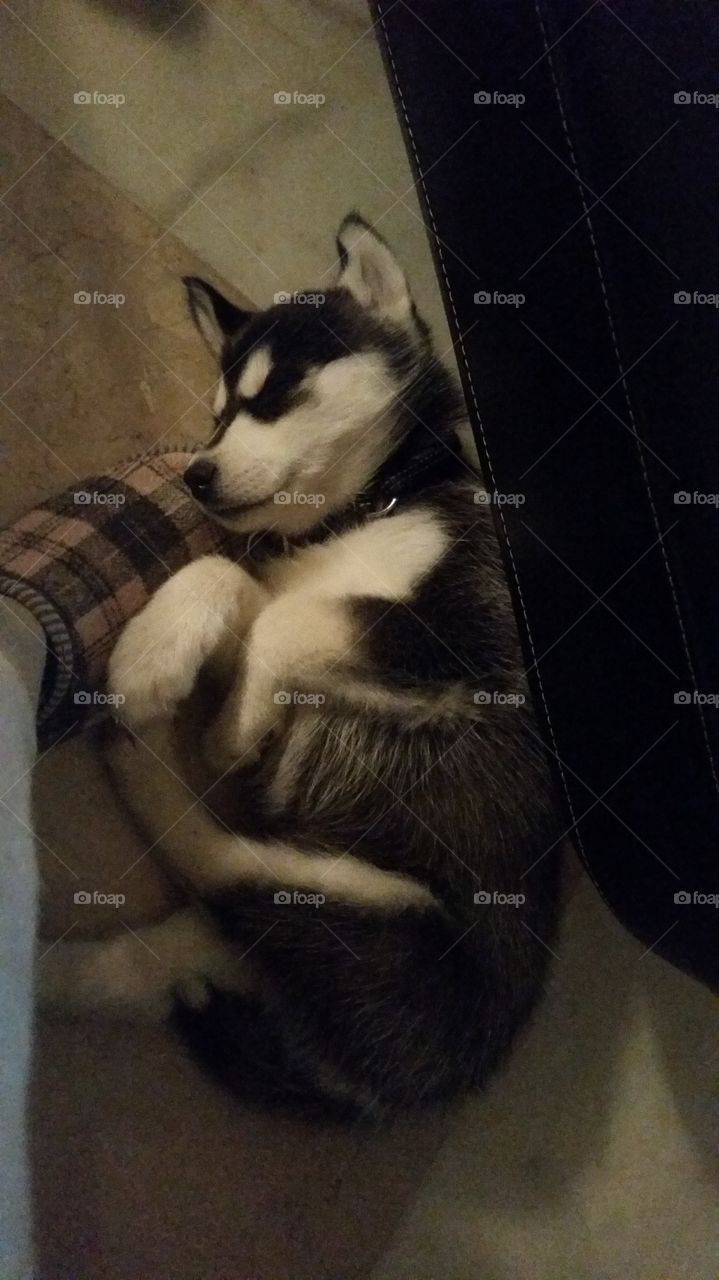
(414, 467)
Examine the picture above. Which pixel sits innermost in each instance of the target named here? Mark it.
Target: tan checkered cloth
(87, 560)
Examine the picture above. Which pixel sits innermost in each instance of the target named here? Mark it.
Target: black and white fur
(398, 797)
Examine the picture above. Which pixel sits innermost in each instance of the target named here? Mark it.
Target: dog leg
(210, 858)
(208, 604)
(139, 972)
(290, 646)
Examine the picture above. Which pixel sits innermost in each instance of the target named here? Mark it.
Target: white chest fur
(384, 558)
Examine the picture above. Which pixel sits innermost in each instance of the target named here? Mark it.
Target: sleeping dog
(373, 929)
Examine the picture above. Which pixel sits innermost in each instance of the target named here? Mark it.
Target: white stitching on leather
(625, 388)
(480, 424)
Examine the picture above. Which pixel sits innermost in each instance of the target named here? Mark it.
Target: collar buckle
(377, 514)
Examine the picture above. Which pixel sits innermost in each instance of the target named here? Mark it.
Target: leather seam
(480, 424)
(615, 346)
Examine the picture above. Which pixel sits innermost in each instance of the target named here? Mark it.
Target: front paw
(161, 651)
(152, 668)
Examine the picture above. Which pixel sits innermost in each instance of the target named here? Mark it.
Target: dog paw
(150, 671)
(159, 655)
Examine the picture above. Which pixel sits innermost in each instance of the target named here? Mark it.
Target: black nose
(199, 477)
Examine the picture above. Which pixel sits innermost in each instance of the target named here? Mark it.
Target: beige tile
(86, 386)
(594, 1154)
(199, 109)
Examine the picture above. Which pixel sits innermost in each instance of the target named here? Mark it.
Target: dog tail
(236, 1039)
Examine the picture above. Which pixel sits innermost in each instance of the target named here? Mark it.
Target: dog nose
(199, 476)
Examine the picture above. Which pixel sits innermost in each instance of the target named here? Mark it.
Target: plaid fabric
(87, 560)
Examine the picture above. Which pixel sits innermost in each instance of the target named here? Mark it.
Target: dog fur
(333, 952)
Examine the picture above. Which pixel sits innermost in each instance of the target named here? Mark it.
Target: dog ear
(369, 270)
(216, 318)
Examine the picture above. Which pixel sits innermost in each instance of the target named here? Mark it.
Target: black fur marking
(229, 317)
(458, 625)
(415, 1007)
(398, 1008)
(238, 1039)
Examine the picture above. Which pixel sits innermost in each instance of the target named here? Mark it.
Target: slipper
(87, 560)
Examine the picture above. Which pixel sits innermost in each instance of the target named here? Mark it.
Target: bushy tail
(236, 1038)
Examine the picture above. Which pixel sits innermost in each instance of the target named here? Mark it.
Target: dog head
(308, 405)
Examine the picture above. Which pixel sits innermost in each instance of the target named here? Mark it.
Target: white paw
(149, 673)
(158, 657)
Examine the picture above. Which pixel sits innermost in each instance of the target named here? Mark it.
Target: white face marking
(327, 445)
(220, 399)
(254, 374)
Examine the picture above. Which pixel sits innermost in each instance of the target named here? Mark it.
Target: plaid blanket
(87, 560)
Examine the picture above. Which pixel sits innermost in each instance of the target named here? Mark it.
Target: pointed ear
(216, 318)
(369, 271)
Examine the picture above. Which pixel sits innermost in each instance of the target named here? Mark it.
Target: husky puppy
(367, 938)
